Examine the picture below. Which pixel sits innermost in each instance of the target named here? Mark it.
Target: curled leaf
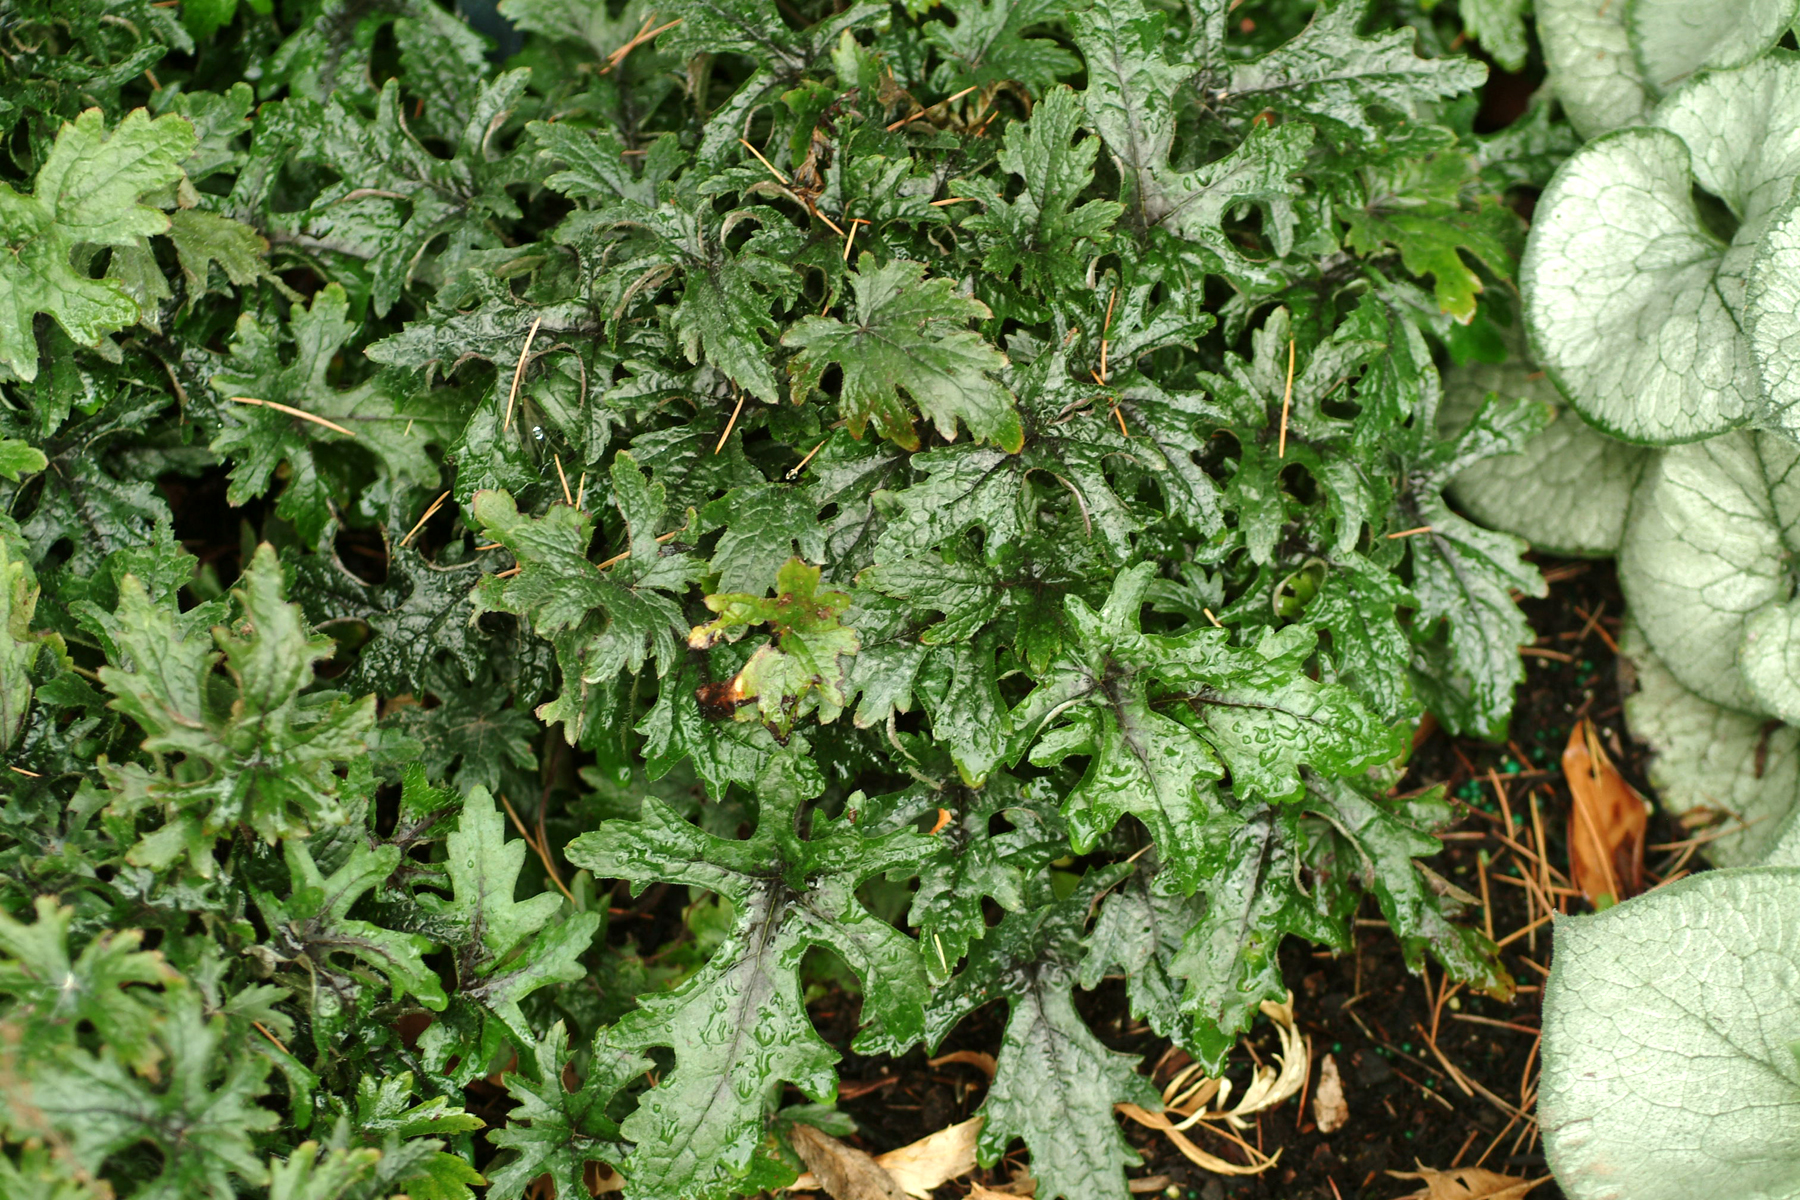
(1606, 822)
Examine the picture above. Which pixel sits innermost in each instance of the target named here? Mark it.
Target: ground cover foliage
(1659, 301)
(937, 486)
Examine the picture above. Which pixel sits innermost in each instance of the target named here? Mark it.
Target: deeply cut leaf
(906, 335)
(1055, 1084)
(87, 190)
(508, 947)
(269, 759)
(739, 1026)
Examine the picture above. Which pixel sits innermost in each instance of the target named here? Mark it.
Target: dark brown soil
(1365, 1009)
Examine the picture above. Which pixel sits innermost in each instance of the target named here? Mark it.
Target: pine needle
(1107, 328)
(430, 512)
(264, 1030)
(794, 472)
(537, 845)
(1287, 399)
(940, 104)
(785, 181)
(644, 34)
(622, 555)
(563, 479)
(291, 411)
(519, 373)
(731, 424)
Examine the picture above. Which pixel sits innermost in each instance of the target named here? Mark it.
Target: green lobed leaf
(505, 952)
(739, 1026)
(556, 1129)
(1388, 839)
(1131, 102)
(1163, 718)
(1054, 1083)
(1140, 932)
(87, 190)
(965, 863)
(1042, 232)
(1465, 575)
(267, 756)
(906, 336)
(987, 44)
(53, 988)
(200, 1118)
(1331, 74)
(260, 383)
(313, 923)
(1499, 25)
(600, 621)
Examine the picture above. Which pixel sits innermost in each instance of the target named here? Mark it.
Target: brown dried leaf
(1606, 822)
(1469, 1183)
(918, 1168)
(1330, 1110)
(844, 1171)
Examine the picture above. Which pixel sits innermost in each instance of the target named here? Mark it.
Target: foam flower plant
(521, 564)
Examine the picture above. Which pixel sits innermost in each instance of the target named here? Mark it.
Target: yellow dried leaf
(1468, 1183)
(931, 1161)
